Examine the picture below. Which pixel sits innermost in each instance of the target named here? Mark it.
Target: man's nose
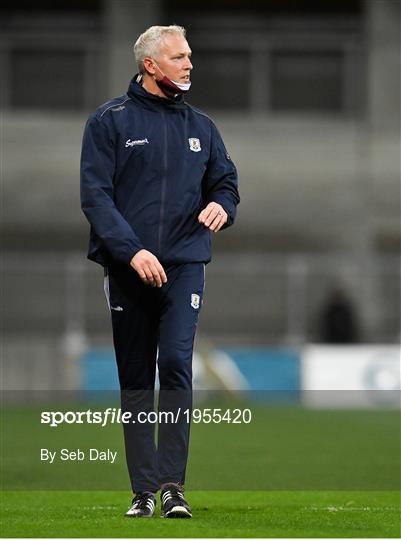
(188, 64)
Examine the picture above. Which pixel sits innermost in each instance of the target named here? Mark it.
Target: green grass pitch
(291, 472)
(216, 514)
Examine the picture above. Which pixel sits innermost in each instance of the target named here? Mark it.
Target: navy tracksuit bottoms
(155, 325)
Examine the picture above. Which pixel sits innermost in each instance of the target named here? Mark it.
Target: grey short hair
(149, 42)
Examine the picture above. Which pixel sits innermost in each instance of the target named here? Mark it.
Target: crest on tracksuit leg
(195, 301)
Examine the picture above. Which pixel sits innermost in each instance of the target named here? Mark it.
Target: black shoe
(143, 505)
(173, 503)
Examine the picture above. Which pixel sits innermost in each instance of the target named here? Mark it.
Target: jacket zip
(163, 187)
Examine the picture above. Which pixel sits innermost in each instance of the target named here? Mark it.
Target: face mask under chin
(172, 88)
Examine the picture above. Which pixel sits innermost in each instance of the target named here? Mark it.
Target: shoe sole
(177, 512)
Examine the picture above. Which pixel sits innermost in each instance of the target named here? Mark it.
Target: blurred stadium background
(307, 96)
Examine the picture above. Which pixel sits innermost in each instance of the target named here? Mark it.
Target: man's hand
(213, 216)
(148, 268)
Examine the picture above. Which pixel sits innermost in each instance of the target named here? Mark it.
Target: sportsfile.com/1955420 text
(113, 415)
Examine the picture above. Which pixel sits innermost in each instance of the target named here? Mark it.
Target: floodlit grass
(283, 448)
(291, 472)
(216, 514)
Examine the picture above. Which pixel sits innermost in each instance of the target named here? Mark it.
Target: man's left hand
(213, 216)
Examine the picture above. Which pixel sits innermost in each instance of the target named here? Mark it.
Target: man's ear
(149, 66)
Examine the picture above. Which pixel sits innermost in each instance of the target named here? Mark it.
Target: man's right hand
(148, 268)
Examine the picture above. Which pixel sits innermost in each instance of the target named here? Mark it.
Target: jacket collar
(138, 93)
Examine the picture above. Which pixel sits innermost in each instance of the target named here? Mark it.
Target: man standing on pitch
(156, 179)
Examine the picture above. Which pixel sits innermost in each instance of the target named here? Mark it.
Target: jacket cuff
(128, 258)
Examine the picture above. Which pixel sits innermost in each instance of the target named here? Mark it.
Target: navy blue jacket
(148, 167)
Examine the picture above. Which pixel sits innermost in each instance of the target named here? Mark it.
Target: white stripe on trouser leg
(204, 281)
(106, 288)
